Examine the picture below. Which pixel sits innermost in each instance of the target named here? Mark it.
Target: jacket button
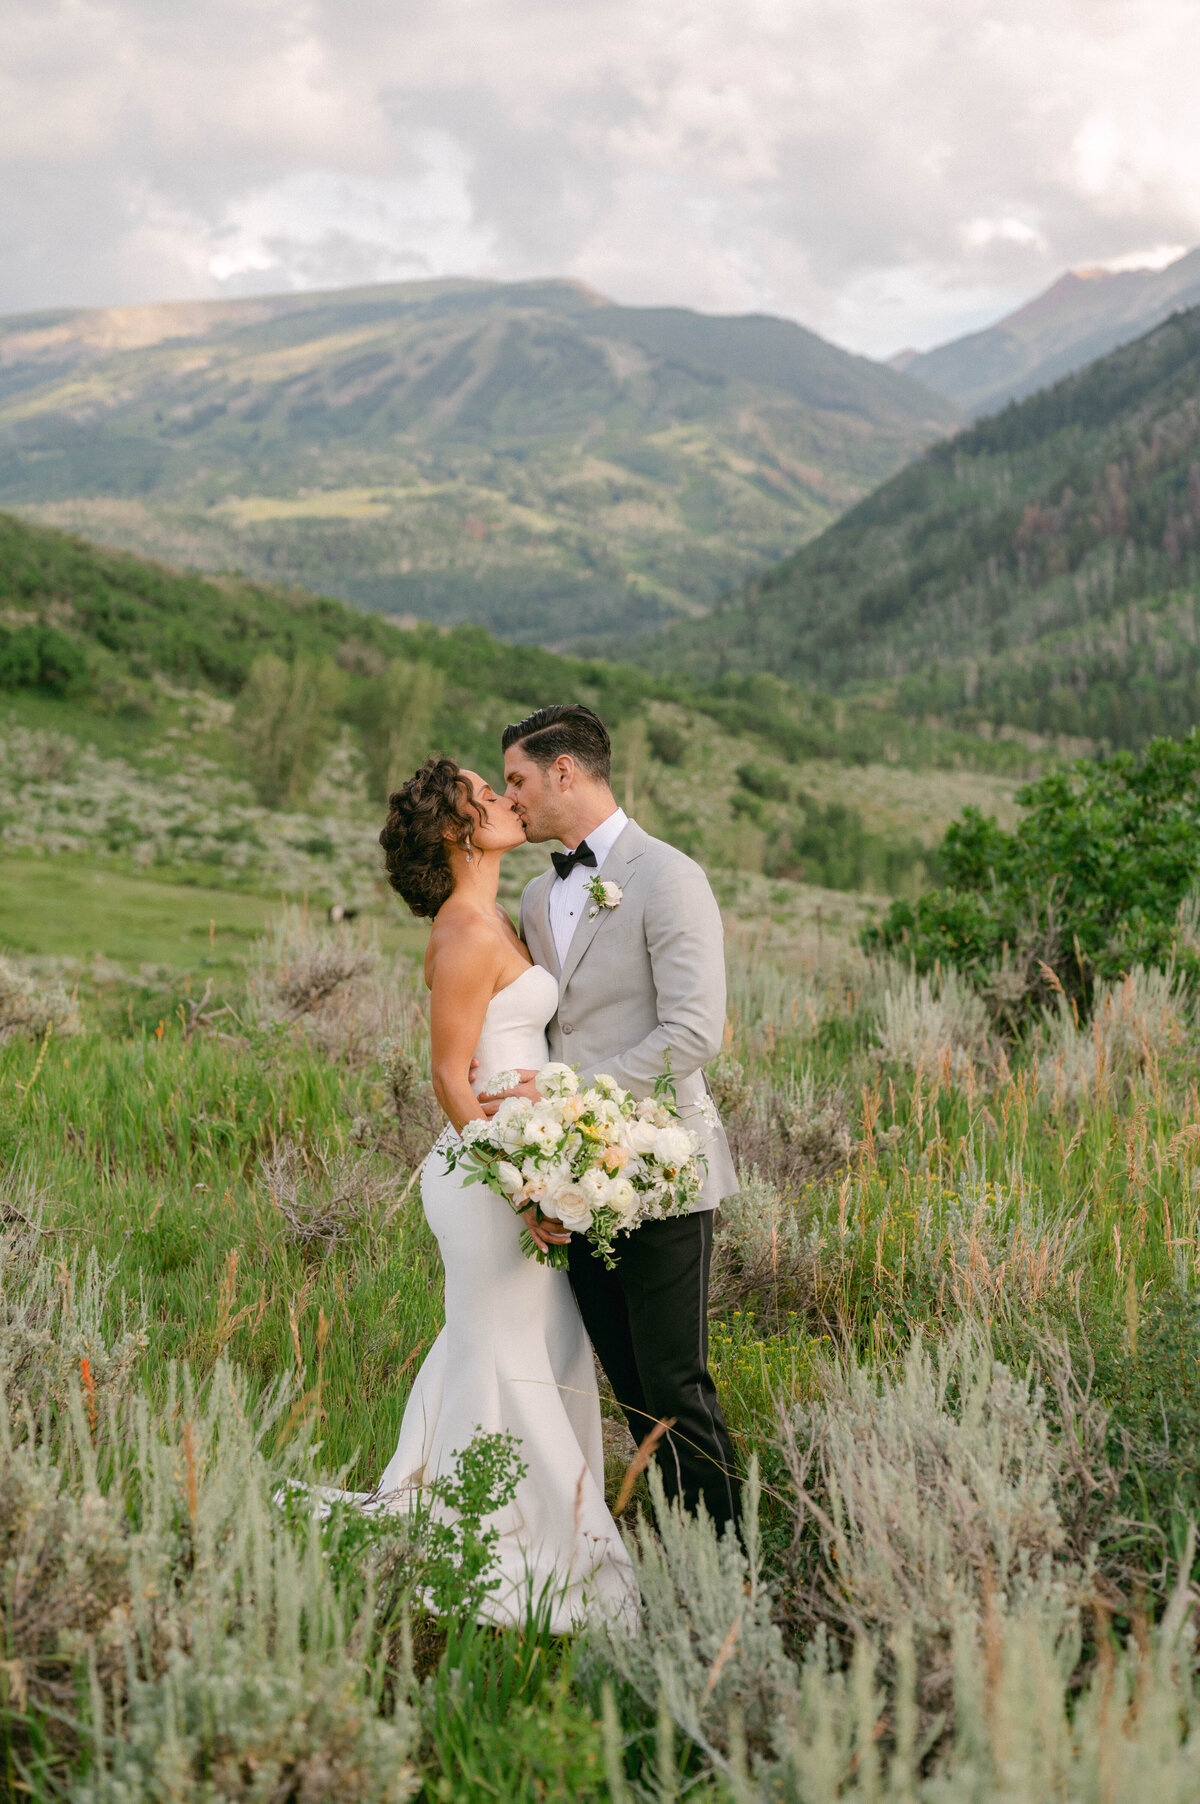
(566, 1027)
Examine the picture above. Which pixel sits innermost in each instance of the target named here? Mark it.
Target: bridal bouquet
(592, 1159)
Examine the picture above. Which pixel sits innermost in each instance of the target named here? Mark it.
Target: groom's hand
(546, 1233)
(489, 1102)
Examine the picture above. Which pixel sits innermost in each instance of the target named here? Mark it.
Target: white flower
(475, 1130)
(604, 895)
(556, 1080)
(509, 1122)
(542, 1129)
(607, 1086)
(622, 1199)
(674, 1147)
(609, 1117)
(543, 1186)
(595, 1187)
(500, 1081)
(573, 1208)
(642, 1136)
(510, 1178)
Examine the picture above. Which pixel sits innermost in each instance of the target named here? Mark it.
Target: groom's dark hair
(564, 729)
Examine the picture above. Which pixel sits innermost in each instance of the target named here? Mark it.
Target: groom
(641, 987)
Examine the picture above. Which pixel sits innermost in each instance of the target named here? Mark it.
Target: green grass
(75, 908)
(972, 1190)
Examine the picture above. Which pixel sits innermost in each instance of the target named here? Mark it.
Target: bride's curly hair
(426, 815)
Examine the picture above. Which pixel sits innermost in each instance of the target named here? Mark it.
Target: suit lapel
(618, 867)
(538, 924)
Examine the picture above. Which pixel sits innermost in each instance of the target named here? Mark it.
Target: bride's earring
(469, 859)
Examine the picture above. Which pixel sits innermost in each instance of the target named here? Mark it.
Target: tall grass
(955, 1310)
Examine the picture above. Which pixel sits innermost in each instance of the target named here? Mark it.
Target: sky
(887, 172)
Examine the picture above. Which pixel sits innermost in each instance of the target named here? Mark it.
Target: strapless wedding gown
(513, 1356)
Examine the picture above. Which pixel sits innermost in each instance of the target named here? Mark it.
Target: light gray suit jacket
(643, 982)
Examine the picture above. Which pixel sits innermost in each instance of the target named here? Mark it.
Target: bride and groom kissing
(634, 988)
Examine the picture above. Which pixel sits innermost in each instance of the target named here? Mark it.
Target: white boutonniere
(604, 895)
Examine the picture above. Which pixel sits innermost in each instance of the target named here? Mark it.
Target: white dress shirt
(569, 898)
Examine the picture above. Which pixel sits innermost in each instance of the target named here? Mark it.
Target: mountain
(1041, 570)
(529, 456)
(1085, 314)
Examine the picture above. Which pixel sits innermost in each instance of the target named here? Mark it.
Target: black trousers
(648, 1321)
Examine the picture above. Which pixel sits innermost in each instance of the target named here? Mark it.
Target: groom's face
(534, 795)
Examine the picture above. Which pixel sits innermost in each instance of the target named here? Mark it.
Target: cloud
(886, 174)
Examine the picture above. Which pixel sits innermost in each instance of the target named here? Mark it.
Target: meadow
(954, 1324)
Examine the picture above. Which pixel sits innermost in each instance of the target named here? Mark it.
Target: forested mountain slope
(527, 456)
(1082, 316)
(1040, 569)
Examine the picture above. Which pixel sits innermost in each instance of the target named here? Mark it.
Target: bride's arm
(461, 982)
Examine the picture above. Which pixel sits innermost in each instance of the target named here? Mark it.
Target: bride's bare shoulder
(461, 946)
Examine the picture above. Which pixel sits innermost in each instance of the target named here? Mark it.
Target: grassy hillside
(1084, 315)
(233, 734)
(530, 456)
(1039, 570)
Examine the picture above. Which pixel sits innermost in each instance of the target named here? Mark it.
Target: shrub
(943, 1489)
(936, 1022)
(763, 1255)
(765, 781)
(330, 984)
(31, 1006)
(1134, 1022)
(792, 1133)
(1089, 883)
(40, 657)
(323, 1196)
(707, 1648)
(667, 743)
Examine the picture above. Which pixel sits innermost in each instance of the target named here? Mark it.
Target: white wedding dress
(513, 1356)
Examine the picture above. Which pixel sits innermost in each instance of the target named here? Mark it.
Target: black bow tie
(564, 862)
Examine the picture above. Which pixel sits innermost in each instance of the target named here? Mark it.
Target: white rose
(612, 894)
(674, 1146)
(556, 1079)
(510, 1178)
(623, 1199)
(608, 1086)
(574, 1209)
(548, 1185)
(642, 1136)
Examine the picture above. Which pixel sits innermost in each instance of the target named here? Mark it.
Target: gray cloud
(887, 174)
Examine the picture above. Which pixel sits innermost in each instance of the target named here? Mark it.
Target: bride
(513, 1355)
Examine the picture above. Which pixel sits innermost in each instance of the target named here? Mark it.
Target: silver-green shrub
(707, 1646)
(934, 1492)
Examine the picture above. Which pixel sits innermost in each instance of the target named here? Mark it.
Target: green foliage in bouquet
(1088, 884)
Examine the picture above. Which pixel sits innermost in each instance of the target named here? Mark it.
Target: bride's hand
(546, 1233)
(489, 1101)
